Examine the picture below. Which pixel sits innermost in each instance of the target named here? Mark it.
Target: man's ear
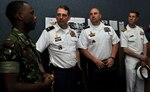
(100, 16)
(69, 18)
(137, 18)
(19, 16)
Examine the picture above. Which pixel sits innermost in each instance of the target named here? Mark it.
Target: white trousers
(134, 84)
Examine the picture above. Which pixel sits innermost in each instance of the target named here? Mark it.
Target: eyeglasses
(62, 15)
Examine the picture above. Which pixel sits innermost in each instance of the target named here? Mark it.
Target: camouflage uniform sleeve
(8, 58)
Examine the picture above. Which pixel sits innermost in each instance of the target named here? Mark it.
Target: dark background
(110, 9)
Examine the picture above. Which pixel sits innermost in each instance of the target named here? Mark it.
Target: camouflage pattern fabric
(18, 55)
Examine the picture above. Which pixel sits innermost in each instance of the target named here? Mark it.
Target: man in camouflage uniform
(20, 65)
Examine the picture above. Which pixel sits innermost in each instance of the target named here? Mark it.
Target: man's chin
(31, 28)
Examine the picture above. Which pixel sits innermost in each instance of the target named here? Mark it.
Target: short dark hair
(136, 12)
(65, 8)
(12, 8)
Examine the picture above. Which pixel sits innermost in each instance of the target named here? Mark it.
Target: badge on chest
(91, 34)
(72, 33)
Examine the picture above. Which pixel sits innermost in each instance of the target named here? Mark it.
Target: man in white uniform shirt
(99, 43)
(134, 44)
(61, 42)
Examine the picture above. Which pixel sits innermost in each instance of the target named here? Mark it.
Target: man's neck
(132, 26)
(64, 26)
(22, 29)
(96, 24)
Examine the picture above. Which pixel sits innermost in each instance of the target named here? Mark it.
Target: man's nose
(60, 15)
(35, 17)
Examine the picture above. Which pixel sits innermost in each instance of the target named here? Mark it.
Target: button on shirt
(61, 46)
(98, 40)
(133, 38)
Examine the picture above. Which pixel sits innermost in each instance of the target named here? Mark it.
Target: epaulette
(123, 30)
(85, 27)
(10, 40)
(50, 28)
(9, 43)
(72, 25)
(140, 27)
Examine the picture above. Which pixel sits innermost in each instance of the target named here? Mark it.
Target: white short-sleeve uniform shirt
(133, 38)
(61, 45)
(98, 40)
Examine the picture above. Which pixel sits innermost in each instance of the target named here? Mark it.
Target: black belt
(58, 68)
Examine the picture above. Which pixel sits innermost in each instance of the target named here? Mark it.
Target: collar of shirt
(129, 28)
(25, 38)
(58, 28)
(99, 27)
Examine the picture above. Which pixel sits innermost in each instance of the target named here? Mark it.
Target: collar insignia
(123, 30)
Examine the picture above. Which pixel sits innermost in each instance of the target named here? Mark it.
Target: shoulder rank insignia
(9, 43)
(50, 28)
(72, 33)
(91, 34)
(107, 29)
(72, 25)
(123, 30)
(85, 27)
(141, 33)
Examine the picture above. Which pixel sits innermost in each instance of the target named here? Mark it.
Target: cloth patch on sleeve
(9, 67)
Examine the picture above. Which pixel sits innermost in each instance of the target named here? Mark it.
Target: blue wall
(110, 9)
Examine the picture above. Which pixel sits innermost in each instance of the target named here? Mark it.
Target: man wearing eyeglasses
(61, 42)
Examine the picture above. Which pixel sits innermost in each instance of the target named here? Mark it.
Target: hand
(143, 63)
(143, 58)
(49, 78)
(100, 64)
(79, 65)
(110, 62)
